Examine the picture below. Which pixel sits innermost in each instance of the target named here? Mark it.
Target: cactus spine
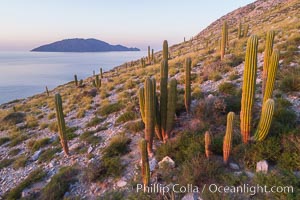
(172, 99)
(224, 39)
(145, 163)
(207, 140)
(248, 88)
(265, 120)
(187, 94)
(75, 80)
(227, 137)
(149, 114)
(267, 56)
(274, 61)
(61, 124)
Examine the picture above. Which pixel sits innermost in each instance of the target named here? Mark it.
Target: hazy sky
(26, 24)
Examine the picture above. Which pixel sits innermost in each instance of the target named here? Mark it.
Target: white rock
(26, 193)
(166, 160)
(234, 166)
(262, 166)
(210, 96)
(36, 155)
(191, 196)
(90, 149)
(121, 183)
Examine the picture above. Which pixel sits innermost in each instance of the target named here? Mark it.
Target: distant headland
(82, 45)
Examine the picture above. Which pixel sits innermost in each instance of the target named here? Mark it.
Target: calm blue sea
(23, 74)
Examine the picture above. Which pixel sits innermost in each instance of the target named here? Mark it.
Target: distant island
(81, 45)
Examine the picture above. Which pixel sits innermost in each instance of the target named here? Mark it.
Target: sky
(26, 24)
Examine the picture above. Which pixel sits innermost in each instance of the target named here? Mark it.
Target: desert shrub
(35, 145)
(31, 122)
(14, 152)
(20, 162)
(118, 145)
(48, 154)
(235, 60)
(94, 122)
(4, 140)
(90, 138)
(227, 88)
(14, 118)
(233, 76)
(51, 115)
(125, 117)
(135, 126)
(59, 184)
(6, 162)
(280, 179)
(17, 139)
(290, 80)
(250, 154)
(182, 148)
(33, 177)
(110, 108)
(197, 94)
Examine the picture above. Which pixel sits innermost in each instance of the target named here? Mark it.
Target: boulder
(36, 155)
(262, 166)
(234, 166)
(166, 161)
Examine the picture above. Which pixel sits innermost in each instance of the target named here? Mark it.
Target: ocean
(23, 74)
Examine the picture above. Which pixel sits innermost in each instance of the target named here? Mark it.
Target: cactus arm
(187, 94)
(207, 140)
(228, 137)
(172, 100)
(145, 163)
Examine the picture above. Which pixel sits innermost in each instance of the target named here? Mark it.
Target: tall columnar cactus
(61, 124)
(165, 50)
(187, 92)
(101, 73)
(224, 39)
(248, 88)
(171, 108)
(265, 120)
(75, 80)
(207, 140)
(97, 82)
(163, 96)
(149, 56)
(152, 55)
(145, 163)
(245, 34)
(274, 62)
(142, 103)
(267, 56)
(149, 113)
(157, 126)
(47, 91)
(239, 33)
(227, 137)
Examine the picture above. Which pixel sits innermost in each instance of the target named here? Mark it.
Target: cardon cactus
(75, 80)
(152, 56)
(149, 56)
(145, 162)
(245, 34)
(165, 50)
(187, 92)
(265, 120)
(47, 91)
(267, 56)
(207, 140)
(227, 137)
(224, 39)
(239, 33)
(101, 73)
(248, 88)
(97, 82)
(274, 62)
(163, 96)
(61, 124)
(156, 112)
(172, 99)
(142, 103)
(149, 114)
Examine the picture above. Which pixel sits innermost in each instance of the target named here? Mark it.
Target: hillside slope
(104, 124)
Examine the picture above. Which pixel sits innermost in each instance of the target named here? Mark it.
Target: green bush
(94, 122)
(118, 145)
(33, 177)
(227, 88)
(35, 145)
(59, 184)
(135, 126)
(6, 162)
(90, 138)
(110, 108)
(125, 117)
(3, 140)
(48, 154)
(20, 162)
